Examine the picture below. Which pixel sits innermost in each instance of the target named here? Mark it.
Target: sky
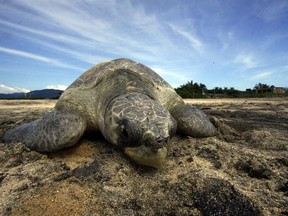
(220, 43)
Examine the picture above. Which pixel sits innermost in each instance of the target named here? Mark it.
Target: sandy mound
(241, 171)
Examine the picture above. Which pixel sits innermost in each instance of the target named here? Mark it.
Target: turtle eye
(125, 133)
(124, 126)
(130, 133)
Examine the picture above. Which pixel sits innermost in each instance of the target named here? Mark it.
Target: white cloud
(24, 54)
(60, 37)
(91, 59)
(279, 72)
(175, 75)
(270, 10)
(226, 39)
(174, 78)
(262, 75)
(195, 42)
(59, 87)
(7, 90)
(81, 26)
(247, 60)
(38, 58)
(90, 28)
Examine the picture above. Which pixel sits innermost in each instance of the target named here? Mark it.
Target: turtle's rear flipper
(192, 122)
(56, 130)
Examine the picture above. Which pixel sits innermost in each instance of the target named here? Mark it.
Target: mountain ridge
(36, 94)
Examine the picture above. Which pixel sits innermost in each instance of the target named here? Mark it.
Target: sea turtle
(132, 106)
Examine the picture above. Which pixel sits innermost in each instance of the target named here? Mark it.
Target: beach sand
(241, 171)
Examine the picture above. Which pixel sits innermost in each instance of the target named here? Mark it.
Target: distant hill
(37, 94)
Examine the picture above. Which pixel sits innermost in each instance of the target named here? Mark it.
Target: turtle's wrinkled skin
(133, 107)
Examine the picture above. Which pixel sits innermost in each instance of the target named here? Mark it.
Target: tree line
(199, 90)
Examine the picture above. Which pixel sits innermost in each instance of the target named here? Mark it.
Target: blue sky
(221, 43)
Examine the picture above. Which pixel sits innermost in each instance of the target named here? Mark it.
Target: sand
(241, 171)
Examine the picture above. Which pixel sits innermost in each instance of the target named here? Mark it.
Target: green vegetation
(192, 90)
(195, 90)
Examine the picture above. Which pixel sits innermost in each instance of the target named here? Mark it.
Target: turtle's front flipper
(192, 121)
(56, 130)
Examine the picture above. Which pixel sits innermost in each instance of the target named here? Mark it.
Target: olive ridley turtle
(132, 106)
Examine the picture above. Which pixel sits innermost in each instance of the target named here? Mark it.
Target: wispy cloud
(62, 38)
(246, 60)
(7, 89)
(226, 39)
(85, 30)
(25, 54)
(59, 87)
(46, 34)
(38, 58)
(270, 10)
(195, 42)
(174, 74)
(277, 72)
(99, 28)
(176, 77)
(262, 75)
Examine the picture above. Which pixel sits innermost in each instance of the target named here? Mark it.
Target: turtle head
(140, 126)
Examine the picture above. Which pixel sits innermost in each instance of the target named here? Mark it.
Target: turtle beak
(145, 156)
